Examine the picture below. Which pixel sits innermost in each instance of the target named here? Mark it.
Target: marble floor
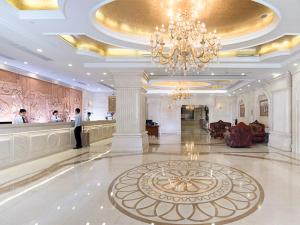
(188, 179)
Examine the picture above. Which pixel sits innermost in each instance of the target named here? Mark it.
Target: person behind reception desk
(55, 118)
(21, 118)
(78, 128)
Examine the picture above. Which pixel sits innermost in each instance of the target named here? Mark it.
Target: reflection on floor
(170, 184)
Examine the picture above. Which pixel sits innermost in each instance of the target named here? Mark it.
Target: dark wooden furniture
(218, 129)
(239, 136)
(258, 132)
(153, 130)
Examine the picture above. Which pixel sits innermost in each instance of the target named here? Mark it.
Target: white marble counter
(25, 142)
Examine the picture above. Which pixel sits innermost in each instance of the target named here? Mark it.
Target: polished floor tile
(178, 181)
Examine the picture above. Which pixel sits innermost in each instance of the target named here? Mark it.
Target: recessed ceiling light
(70, 65)
(240, 89)
(276, 75)
(39, 50)
(212, 74)
(248, 85)
(102, 80)
(295, 64)
(88, 73)
(243, 74)
(104, 73)
(259, 81)
(151, 73)
(25, 63)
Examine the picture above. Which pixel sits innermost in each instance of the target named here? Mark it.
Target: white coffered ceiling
(30, 42)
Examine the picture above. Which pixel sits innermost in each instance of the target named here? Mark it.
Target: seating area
(239, 136)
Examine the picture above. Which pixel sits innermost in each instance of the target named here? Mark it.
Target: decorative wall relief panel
(39, 98)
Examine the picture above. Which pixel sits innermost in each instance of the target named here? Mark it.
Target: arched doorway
(194, 123)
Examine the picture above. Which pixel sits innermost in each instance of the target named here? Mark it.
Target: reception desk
(21, 143)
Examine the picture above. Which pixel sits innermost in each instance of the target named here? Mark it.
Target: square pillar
(130, 133)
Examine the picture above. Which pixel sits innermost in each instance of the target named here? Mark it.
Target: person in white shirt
(55, 118)
(21, 117)
(78, 128)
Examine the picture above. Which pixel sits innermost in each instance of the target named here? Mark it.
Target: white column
(130, 133)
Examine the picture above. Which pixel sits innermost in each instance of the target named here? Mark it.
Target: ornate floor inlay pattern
(186, 192)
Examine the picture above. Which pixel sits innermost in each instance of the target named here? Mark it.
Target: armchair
(218, 129)
(258, 132)
(239, 136)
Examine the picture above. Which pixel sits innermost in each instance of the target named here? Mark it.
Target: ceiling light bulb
(243, 74)
(259, 81)
(212, 74)
(25, 63)
(5, 62)
(276, 75)
(248, 85)
(88, 74)
(104, 73)
(39, 50)
(70, 65)
(151, 74)
(101, 80)
(295, 64)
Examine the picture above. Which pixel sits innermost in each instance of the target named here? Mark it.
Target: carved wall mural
(39, 98)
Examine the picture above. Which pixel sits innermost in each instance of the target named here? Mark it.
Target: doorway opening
(194, 124)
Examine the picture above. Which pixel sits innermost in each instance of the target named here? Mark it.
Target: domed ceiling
(231, 18)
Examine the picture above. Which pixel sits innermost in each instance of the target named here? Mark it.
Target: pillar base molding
(280, 141)
(130, 142)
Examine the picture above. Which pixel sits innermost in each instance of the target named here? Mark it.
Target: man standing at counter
(21, 118)
(78, 129)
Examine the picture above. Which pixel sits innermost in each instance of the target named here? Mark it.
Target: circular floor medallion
(185, 192)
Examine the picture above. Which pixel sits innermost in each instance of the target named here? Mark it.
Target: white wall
(97, 103)
(167, 112)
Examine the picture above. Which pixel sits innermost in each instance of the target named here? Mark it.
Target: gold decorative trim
(34, 4)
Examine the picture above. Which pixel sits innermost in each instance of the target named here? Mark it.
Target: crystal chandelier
(180, 93)
(184, 45)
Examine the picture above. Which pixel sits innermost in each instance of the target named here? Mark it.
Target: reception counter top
(25, 142)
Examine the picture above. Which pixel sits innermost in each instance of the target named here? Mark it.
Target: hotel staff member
(55, 118)
(78, 128)
(21, 118)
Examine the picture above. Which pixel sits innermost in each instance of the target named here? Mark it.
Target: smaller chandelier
(184, 45)
(180, 93)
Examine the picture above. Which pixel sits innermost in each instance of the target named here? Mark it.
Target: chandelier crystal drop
(184, 45)
(180, 93)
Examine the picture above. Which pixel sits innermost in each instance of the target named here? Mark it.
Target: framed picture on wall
(264, 107)
(242, 110)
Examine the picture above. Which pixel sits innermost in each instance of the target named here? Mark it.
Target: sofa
(258, 132)
(239, 136)
(217, 129)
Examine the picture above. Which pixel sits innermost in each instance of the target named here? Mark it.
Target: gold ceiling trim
(231, 18)
(284, 43)
(83, 42)
(185, 84)
(34, 4)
